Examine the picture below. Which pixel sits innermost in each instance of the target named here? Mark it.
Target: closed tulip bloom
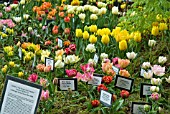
(115, 10)
(162, 59)
(93, 17)
(163, 26)
(155, 30)
(137, 36)
(93, 28)
(155, 81)
(93, 39)
(151, 43)
(85, 35)
(79, 33)
(105, 39)
(154, 89)
(148, 75)
(168, 79)
(131, 55)
(123, 45)
(55, 30)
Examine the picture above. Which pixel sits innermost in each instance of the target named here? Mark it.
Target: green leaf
(118, 105)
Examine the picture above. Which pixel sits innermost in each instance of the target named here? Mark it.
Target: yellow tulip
(4, 70)
(20, 74)
(11, 53)
(85, 35)
(123, 45)
(155, 30)
(79, 33)
(93, 28)
(163, 26)
(12, 64)
(105, 39)
(93, 39)
(137, 36)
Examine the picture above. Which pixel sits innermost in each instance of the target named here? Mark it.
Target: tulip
(131, 55)
(93, 17)
(155, 81)
(67, 30)
(20, 74)
(95, 103)
(158, 70)
(33, 77)
(154, 89)
(103, 56)
(155, 30)
(72, 47)
(107, 79)
(146, 65)
(155, 96)
(105, 39)
(114, 98)
(93, 39)
(115, 10)
(168, 79)
(67, 19)
(55, 29)
(151, 43)
(71, 72)
(123, 45)
(59, 64)
(124, 73)
(101, 86)
(43, 82)
(137, 36)
(163, 26)
(162, 59)
(11, 64)
(91, 48)
(85, 35)
(93, 28)
(44, 95)
(79, 33)
(124, 94)
(148, 75)
(147, 107)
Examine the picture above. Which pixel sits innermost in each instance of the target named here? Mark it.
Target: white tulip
(26, 16)
(151, 43)
(103, 56)
(14, 5)
(155, 81)
(115, 10)
(17, 19)
(162, 59)
(29, 29)
(102, 11)
(59, 64)
(22, 2)
(154, 89)
(148, 75)
(80, 9)
(71, 59)
(146, 65)
(168, 79)
(86, 7)
(131, 55)
(82, 16)
(93, 17)
(91, 48)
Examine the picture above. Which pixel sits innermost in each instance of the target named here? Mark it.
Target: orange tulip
(55, 30)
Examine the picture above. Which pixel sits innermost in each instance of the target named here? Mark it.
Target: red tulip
(67, 19)
(101, 86)
(55, 29)
(124, 94)
(95, 103)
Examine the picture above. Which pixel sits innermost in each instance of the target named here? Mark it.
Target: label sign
(97, 79)
(138, 107)
(116, 69)
(96, 58)
(142, 72)
(64, 84)
(106, 98)
(49, 62)
(145, 89)
(124, 83)
(19, 96)
(60, 43)
(20, 53)
(33, 64)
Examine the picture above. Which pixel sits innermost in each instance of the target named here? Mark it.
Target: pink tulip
(72, 47)
(33, 77)
(44, 95)
(158, 70)
(155, 96)
(71, 72)
(8, 9)
(43, 82)
(115, 60)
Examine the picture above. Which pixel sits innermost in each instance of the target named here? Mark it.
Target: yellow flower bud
(93, 28)
(4, 35)
(93, 39)
(137, 36)
(4, 70)
(6, 66)
(79, 33)
(11, 64)
(11, 53)
(123, 45)
(155, 30)
(105, 39)
(85, 35)
(163, 26)
(27, 58)
(20, 74)
(123, 6)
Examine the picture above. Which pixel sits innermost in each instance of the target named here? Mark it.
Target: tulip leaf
(117, 105)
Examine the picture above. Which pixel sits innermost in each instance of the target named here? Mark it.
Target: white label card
(4, 29)
(142, 72)
(20, 53)
(106, 98)
(95, 81)
(138, 107)
(124, 83)
(65, 84)
(20, 98)
(49, 62)
(60, 43)
(96, 58)
(145, 89)
(35, 31)
(33, 64)
(115, 69)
